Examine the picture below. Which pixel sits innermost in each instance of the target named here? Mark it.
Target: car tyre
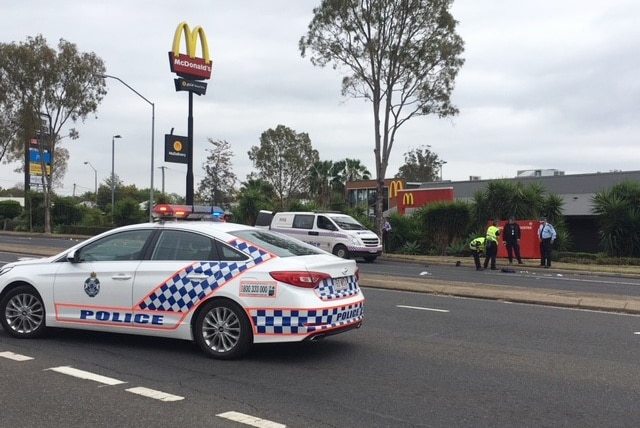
(222, 330)
(341, 251)
(22, 313)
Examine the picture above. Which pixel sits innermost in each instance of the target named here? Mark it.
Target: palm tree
(619, 216)
(350, 170)
(320, 178)
(254, 195)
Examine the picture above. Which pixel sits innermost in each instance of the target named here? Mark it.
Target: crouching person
(477, 248)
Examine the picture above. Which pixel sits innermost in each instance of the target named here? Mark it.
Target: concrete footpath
(541, 296)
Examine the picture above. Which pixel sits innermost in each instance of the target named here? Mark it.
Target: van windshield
(277, 243)
(348, 223)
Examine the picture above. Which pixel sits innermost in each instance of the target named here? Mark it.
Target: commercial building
(576, 190)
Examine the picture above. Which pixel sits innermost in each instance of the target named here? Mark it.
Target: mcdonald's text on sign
(188, 65)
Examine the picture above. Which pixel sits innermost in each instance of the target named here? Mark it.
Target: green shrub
(410, 248)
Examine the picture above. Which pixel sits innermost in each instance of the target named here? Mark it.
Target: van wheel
(341, 251)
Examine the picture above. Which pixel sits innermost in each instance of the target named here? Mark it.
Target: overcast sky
(546, 84)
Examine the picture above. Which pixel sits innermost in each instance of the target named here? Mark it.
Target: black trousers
(513, 247)
(490, 254)
(476, 258)
(545, 252)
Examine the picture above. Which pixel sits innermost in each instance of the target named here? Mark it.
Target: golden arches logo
(394, 186)
(407, 199)
(189, 65)
(191, 39)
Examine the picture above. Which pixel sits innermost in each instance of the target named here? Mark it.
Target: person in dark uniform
(511, 238)
(546, 234)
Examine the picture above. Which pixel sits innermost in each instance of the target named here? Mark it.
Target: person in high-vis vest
(491, 245)
(477, 248)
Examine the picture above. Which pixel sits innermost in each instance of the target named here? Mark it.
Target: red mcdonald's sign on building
(416, 198)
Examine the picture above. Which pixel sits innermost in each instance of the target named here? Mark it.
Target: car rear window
(276, 243)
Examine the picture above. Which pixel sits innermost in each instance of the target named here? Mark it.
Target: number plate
(341, 284)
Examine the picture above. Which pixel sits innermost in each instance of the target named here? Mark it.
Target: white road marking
(423, 309)
(156, 395)
(250, 420)
(14, 357)
(637, 332)
(81, 374)
(595, 281)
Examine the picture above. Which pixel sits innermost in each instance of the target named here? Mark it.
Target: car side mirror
(73, 256)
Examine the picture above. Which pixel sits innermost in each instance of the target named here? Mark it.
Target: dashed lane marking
(423, 309)
(15, 357)
(156, 395)
(81, 374)
(250, 420)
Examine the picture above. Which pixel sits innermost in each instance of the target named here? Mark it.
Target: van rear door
(263, 220)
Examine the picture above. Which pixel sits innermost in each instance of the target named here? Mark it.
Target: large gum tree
(401, 55)
(42, 89)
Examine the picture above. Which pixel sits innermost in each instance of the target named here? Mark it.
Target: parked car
(226, 286)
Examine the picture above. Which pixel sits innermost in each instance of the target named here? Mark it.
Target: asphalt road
(528, 284)
(420, 360)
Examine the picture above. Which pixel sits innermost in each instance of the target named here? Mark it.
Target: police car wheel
(22, 313)
(222, 330)
(341, 251)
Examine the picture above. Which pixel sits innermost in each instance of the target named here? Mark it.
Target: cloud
(545, 84)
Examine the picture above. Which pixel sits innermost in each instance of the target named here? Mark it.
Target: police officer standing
(511, 237)
(546, 234)
(491, 244)
(477, 248)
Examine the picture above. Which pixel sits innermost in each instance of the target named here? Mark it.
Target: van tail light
(301, 279)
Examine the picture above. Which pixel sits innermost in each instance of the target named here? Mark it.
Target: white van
(336, 233)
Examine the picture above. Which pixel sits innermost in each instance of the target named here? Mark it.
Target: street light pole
(113, 175)
(95, 180)
(153, 125)
(441, 163)
(162, 168)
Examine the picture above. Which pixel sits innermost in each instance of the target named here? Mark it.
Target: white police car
(224, 285)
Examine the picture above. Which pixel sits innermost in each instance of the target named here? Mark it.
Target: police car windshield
(276, 243)
(348, 223)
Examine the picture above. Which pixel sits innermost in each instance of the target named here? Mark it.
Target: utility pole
(162, 168)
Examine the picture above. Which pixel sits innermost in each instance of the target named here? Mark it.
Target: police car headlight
(5, 269)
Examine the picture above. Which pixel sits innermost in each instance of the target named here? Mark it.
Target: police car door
(183, 268)
(96, 287)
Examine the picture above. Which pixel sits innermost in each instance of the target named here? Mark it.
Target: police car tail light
(302, 279)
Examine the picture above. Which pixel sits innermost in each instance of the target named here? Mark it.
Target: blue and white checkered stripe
(302, 321)
(326, 290)
(180, 294)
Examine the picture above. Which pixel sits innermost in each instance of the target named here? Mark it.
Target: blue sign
(34, 156)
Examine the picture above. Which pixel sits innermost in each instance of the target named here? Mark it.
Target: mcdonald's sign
(189, 65)
(394, 186)
(407, 199)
